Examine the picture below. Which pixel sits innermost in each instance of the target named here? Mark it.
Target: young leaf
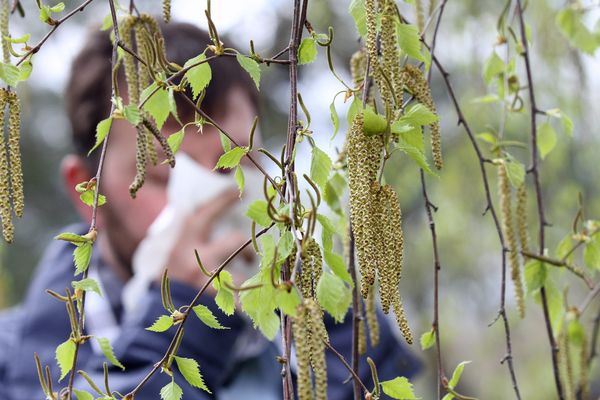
(191, 372)
(82, 395)
(175, 139)
(259, 303)
(161, 324)
(374, 123)
(337, 265)
(515, 171)
(416, 155)
(239, 179)
(88, 285)
(399, 388)
(132, 114)
(65, 353)
(320, 166)
(535, 275)
(257, 211)
(108, 352)
(157, 105)
(72, 238)
(198, 76)
(419, 114)
(409, 42)
(82, 256)
(357, 10)
(231, 159)
(225, 299)
(87, 198)
(492, 67)
(171, 391)
(9, 74)
(591, 253)
(102, 130)
(457, 374)
(206, 316)
(288, 301)
(251, 67)
(307, 52)
(335, 119)
(427, 339)
(334, 296)
(546, 139)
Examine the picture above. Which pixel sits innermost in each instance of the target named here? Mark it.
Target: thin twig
(348, 367)
(538, 190)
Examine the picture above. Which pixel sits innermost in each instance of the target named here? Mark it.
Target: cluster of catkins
(11, 174)
(310, 336)
(574, 376)
(505, 194)
(311, 268)
(150, 47)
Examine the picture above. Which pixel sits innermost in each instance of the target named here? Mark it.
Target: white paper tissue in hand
(190, 186)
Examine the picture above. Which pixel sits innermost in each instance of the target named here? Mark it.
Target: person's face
(125, 220)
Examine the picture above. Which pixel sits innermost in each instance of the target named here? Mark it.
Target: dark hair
(89, 89)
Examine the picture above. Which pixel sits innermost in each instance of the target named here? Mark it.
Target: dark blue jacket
(40, 323)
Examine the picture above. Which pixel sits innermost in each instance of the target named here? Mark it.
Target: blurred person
(235, 363)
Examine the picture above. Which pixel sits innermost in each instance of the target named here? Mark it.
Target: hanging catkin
(140, 161)
(302, 345)
(166, 8)
(371, 317)
(5, 208)
(401, 320)
(522, 216)
(391, 90)
(131, 76)
(564, 360)
(14, 150)
(417, 84)
(509, 234)
(584, 378)
(4, 14)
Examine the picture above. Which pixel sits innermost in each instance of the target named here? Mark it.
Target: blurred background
(469, 249)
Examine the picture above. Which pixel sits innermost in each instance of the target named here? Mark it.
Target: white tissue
(190, 186)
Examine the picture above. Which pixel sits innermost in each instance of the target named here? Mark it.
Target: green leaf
(65, 354)
(257, 211)
(546, 139)
(71, 237)
(175, 139)
(564, 247)
(191, 372)
(132, 114)
(488, 98)
(206, 316)
(334, 191)
(591, 253)
(320, 166)
(567, 123)
(335, 119)
(409, 41)
(171, 391)
(373, 123)
(337, 265)
(232, 158)
(399, 388)
(259, 303)
(417, 156)
(488, 137)
(334, 296)
(44, 13)
(200, 75)
(419, 114)
(108, 352)
(251, 67)
(157, 105)
(457, 374)
(9, 74)
(536, 273)
(25, 70)
(82, 256)
(239, 179)
(87, 198)
(102, 130)
(162, 323)
(492, 67)
(225, 298)
(225, 142)
(409, 134)
(427, 339)
(107, 22)
(307, 52)
(571, 26)
(82, 395)
(357, 10)
(58, 7)
(88, 285)
(515, 172)
(288, 301)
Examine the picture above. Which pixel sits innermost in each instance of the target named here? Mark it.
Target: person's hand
(196, 234)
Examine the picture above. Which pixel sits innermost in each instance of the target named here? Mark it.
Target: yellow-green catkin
(140, 161)
(154, 132)
(505, 194)
(312, 268)
(131, 76)
(401, 320)
(302, 345)
(418, 86)
(14, 149)
(364, 159)
(420, 14)
(584, 378)
(393, 239)
(565, 365)
(358, 66)
(522, 216)
(4, 14)
(371, 22)
(318, 337)
(166, 8)
(5, 208)
(432, 5)
(391, 91)
(362, 328)
(371, 317)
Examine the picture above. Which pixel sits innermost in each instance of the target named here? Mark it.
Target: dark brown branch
(538, 191)
(348, 367)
